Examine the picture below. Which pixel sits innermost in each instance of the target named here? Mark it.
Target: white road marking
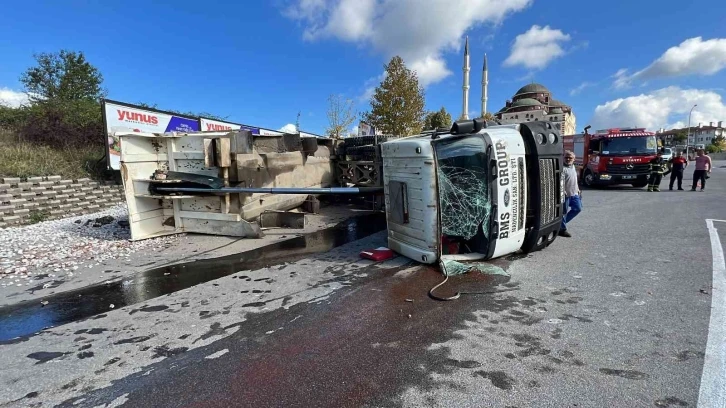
(713, 378)
(218, 354)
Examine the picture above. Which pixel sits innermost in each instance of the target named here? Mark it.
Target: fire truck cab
(613, 156)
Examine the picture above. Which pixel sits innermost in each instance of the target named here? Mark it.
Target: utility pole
(297, 123)
(688, 134)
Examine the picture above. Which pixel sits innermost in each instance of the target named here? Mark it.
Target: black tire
(588, 179)
(361, 153)
(366, 140)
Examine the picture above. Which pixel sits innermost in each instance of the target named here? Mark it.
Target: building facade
(698, 135)
(535, 102)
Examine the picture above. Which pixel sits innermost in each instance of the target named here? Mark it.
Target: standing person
(703, 165)
(657, 168)
(678, 167)
(573, 203)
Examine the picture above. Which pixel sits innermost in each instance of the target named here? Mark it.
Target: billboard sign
(267, 132)
(365, 129)
(306, 134)
(209, 125)
(217, 125)
(119, 117)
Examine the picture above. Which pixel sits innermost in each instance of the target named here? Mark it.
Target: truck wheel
(589, 179)
(361, 153)
(640, 185)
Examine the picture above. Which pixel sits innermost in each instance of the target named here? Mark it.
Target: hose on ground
(458, 294)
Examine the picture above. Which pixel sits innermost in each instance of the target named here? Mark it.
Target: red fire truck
(613, 156)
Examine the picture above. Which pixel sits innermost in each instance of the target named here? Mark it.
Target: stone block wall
(23, 201)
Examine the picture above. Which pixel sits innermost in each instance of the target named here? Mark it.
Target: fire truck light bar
(623, 132)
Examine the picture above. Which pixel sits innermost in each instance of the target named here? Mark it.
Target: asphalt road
(616, 316)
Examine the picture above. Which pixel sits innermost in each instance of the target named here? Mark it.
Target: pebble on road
(68, 246)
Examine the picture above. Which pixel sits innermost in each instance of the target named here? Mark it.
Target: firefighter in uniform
(658, 166)
(678, 166)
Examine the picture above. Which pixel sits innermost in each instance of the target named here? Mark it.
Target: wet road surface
(26, 318)
(616, 316)
(367, 343)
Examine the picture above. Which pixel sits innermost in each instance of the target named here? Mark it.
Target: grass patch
(26, 160)
(20, 158)
(38, 216)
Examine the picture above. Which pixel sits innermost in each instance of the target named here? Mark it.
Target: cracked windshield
(464, 196)
(363, 203)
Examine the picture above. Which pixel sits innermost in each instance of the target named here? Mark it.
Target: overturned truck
(477, 191)
(473, 192)
(216, 182)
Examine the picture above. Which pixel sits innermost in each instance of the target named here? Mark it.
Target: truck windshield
(630, 145)
(464, 194)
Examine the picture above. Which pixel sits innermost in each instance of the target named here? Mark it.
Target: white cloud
(289, 128)
(576, 90)
(663, 108)
(430, 69)
(11, 98)
(370, 87)
(691, 57)
(354, 130)
(537, 47)
(419, 33)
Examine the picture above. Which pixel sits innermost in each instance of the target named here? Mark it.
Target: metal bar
(273, 190)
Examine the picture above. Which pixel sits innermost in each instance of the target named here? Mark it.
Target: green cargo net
(452, 268)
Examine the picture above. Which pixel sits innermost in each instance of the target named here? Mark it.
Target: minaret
(484, 86)
(465, 108)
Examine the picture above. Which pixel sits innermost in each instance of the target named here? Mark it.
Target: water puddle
(21, 320)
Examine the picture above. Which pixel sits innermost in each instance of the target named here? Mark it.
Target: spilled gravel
(68, 246)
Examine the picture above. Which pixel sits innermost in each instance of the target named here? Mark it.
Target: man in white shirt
(573, 203)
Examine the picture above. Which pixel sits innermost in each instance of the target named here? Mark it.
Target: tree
(64, 91)
(340, 116)
(719, 144)
(397, 106)
(63, 76)
(489, 116)
(680, 137)
(437, 119)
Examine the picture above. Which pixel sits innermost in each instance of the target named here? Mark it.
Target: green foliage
(63, 76)
(64, 110)
(489, 116)
(437, 119)
(340, 116)
(12, 118)
(63, 123)
(397, 106)
(22, 159)
(680, 137)
(36, 216)
(718, 144)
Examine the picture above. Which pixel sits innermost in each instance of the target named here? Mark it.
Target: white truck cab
(475, 192)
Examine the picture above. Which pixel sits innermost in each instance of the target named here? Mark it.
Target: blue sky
(259, 63)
